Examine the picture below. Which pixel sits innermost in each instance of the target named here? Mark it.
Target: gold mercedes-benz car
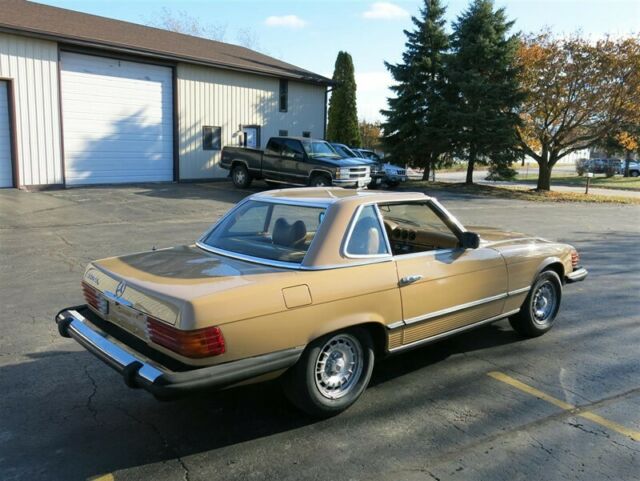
(311, 285)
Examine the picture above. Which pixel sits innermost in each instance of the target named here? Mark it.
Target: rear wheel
(634, 173)
(240, 176)
(320, 180)
(332, 373)
(539, 310)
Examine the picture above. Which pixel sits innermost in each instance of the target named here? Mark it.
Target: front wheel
(320, 180)
(539, 310)
(240, 176)
(332, 373)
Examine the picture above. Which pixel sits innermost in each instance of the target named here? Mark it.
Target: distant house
(91, 100)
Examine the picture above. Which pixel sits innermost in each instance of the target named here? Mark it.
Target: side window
(211, 138)
(292, 149)
(284, 95)
(366, 237)
(274, 147)
(415, 227)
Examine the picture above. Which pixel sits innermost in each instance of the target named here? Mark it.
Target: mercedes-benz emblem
(122, 285)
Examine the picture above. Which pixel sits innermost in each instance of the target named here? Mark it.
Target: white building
(91, 100)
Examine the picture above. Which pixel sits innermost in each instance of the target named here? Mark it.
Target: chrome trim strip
(459, 307)
(395, 325)
(290, 265)
(248, 258)
(452, 332)
(118, 300)
(515, 292)
(112, 352)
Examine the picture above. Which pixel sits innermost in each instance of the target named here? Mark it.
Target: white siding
(117, 119)
(33, 65)
(209, 96)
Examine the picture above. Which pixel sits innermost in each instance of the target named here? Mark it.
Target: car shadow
(88, 409)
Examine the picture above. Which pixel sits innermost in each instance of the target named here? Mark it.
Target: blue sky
(310, 33)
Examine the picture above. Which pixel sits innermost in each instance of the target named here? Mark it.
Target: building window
(283, 133)
(284, 95)
(306, 133)
(211, 138)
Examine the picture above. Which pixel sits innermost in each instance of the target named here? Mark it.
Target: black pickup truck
(294, 160)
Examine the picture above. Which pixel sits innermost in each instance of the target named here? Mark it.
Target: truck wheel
(634, 173)
(240, 176)
(320, 180)
(332, 373)
(539, 309)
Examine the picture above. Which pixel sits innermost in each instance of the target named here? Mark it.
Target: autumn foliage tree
(577, 93)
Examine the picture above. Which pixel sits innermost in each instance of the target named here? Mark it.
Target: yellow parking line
(625, 431)
(102, 477)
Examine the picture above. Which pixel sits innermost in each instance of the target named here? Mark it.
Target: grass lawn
(616, 182)
(517, 193)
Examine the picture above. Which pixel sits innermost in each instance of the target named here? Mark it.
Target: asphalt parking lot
(484, 405)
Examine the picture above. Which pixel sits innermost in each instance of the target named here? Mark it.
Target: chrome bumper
(359, 182)
(140, 372)
(580, 274)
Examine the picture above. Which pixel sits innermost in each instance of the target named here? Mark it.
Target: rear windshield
(266, 230)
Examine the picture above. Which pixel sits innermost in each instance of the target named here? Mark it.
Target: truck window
(274, 147)
(292, 149)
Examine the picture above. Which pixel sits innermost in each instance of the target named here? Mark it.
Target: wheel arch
(320, 172)
(376, 328)
(554, 264)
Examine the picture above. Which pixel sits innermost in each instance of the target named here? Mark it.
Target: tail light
(575, 258)
(94, 298)
(197, 343)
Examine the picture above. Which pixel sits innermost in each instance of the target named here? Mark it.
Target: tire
(320, 180)
(325, 393)
(240, 176)
(539, 310)
(634, 173)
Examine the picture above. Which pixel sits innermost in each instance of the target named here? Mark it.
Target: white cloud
(385, 11)
(287, 21)
(372, 93)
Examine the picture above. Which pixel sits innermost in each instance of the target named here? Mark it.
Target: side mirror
(470, 240)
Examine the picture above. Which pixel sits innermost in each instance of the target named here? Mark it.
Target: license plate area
(128, 319)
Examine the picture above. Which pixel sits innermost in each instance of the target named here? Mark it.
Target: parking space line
(613, 426)
(103, 477)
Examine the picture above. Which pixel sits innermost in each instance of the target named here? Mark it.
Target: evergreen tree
(483, 86)
(343, 114)
(415, 130)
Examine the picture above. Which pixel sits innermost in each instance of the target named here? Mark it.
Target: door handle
(405, 281)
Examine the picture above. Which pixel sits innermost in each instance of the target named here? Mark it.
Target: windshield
(345, 151)
(320, 149)
(266, 230)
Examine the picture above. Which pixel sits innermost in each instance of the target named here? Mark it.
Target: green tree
(343, 114)
(415, 129)
(483, 86)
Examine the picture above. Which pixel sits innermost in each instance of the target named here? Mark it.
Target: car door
(272, 159)
(443, 286)
(294, 169)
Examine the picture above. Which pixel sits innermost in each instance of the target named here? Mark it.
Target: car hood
(492, 235)
(347, 162)
(173, 284)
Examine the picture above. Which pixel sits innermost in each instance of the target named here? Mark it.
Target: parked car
(394, 174)
(600, 166)
(296, 161)
(376, 169)
(634, 168)
(312, 285)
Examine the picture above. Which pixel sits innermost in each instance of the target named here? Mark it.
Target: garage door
(6, 178)
(117, 120)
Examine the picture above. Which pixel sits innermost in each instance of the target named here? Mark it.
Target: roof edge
(110, 46)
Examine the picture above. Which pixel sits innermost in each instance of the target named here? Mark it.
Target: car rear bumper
(138, 371)
(579, 274)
